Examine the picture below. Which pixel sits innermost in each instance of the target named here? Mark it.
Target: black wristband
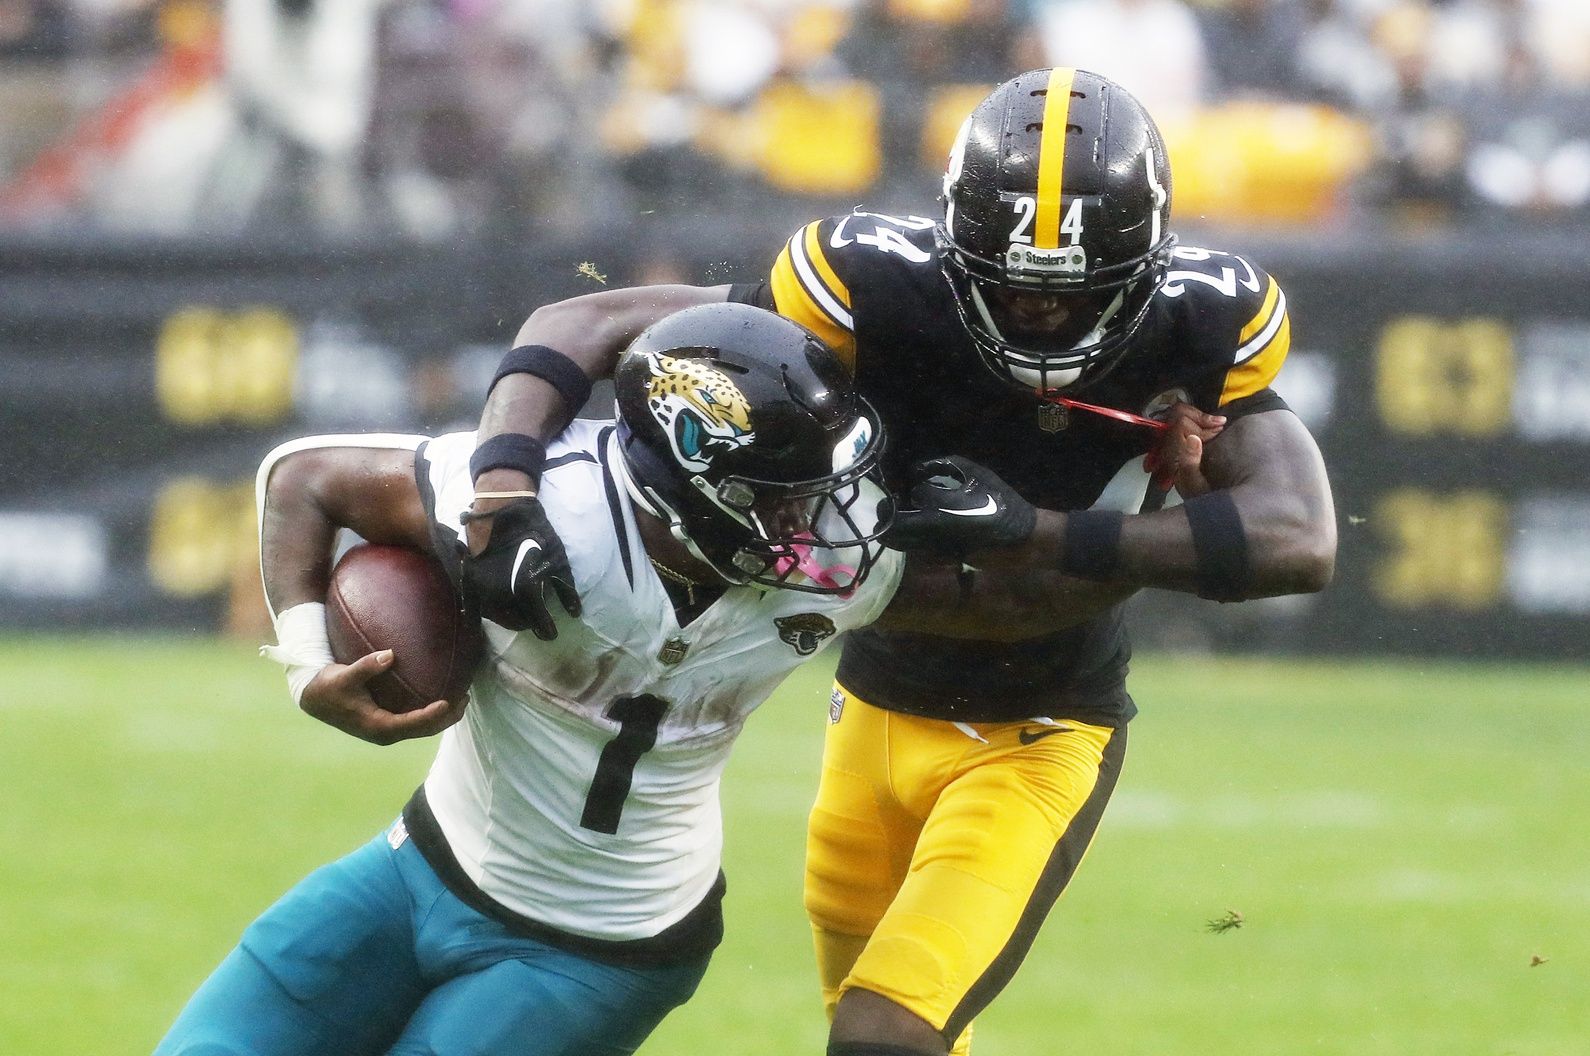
(552, 367)
(509, 451)
(1221, 546)
(1092, 546)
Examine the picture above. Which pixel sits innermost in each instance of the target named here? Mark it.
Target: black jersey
(871, 286)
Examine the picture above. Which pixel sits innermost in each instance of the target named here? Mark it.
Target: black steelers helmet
(1056, 225)
(742, 431)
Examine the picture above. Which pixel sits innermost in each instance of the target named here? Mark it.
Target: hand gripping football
(398, 598)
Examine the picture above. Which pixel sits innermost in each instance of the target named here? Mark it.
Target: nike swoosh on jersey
(524, 551)
(1252, 281)
(1034, 736)
(987, 509)
(838, 239)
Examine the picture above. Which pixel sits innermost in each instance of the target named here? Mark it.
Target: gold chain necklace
(667, 573)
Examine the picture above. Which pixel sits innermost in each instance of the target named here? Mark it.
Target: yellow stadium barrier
(818, 138)
(1281, 163)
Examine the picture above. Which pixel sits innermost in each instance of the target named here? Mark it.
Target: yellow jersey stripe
(1257, 372)
(1271, 296)
(807, 290)
(823, 276)
(1261, 330)
(1052, 157)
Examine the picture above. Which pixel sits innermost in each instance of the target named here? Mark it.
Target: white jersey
(580, 789)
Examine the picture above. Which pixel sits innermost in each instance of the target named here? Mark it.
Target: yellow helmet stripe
(1052, 157)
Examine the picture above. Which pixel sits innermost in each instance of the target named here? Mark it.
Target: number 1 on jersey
(637, 719)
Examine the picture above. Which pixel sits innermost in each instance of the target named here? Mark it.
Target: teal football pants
(372, 954)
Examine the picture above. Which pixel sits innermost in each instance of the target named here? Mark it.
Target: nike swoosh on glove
(955, 506)
(524, 561)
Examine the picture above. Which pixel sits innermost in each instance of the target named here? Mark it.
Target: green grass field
(1403, 841)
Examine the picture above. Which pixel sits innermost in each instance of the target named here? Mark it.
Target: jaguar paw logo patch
(804, 631)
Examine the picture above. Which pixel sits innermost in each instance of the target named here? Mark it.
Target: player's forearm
(592, 331)
(1268, 528)
(296, 538)
(520, 403)
(312, 493)
(1283, 553)
(995, 604)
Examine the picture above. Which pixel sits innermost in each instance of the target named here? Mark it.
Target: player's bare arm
(1011, 602)
(1006, 604)
(1260, 522)
(591, 331)
(542, 382)
(1271, 468)
(309, 495)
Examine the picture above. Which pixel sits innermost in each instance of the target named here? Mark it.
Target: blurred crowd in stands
(432, 118)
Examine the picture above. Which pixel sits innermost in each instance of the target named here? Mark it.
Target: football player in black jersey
(1047, 327)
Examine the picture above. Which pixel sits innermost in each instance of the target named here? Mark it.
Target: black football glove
(955, 506)
(508, 582)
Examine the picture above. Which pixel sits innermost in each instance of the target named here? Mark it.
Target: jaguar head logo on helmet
(742, 431)
(699, 407)
(1056, 226)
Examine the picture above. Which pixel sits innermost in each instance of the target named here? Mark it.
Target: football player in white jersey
(554, 885)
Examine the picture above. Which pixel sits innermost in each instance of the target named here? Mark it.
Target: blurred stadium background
(228, 222)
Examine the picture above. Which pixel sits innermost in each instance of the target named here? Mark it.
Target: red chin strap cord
(1162, 479)
(1108, 412)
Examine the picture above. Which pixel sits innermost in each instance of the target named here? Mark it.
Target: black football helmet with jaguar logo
(742, 431)
(1056, 226)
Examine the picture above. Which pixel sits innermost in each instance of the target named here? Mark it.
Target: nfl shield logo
(1052, 417)
(673, 651)
(836, 705)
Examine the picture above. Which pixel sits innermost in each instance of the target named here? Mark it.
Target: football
(398, 598)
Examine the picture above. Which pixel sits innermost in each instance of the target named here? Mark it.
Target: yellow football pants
(935, 850)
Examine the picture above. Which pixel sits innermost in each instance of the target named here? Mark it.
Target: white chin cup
(1040, 380)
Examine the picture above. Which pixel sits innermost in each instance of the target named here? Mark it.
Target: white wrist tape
(301, 645)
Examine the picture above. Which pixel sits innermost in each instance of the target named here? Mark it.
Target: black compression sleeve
(509, 451)
(552, 367)
(1221, 546)
(1092, 545)
(759, 294)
